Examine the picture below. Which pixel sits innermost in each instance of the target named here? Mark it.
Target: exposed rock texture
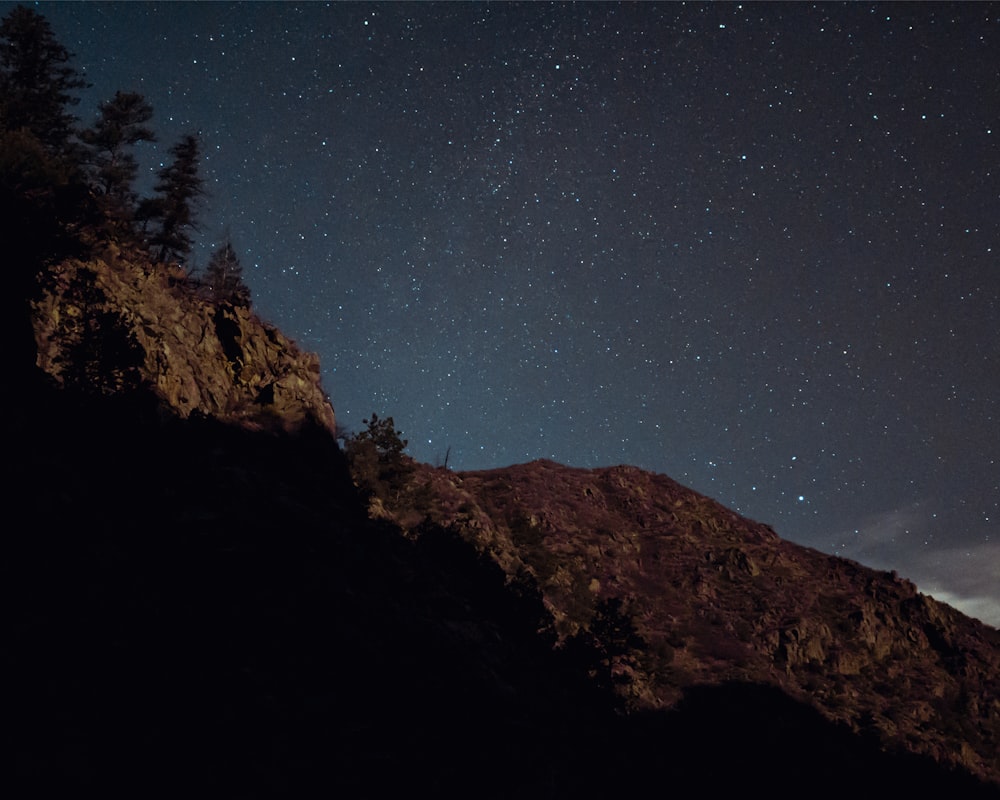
(718, 597)
(200, 594)
(117, 322)
(200, 604)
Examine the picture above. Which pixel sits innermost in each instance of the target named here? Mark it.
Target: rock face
(116, 323)
(226, 604)
(716, 597)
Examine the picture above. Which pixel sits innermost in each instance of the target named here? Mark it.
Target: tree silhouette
(608, 648)
(36, 80)
(178, 187)
(224, 277)
(42, 189)
(383, 434)
(121, 125)
(376, 459)
(615, 635)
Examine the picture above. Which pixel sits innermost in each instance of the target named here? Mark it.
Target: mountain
(712, 596)
(208, 594)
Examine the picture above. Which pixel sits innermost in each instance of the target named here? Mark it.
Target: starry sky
(751, 246)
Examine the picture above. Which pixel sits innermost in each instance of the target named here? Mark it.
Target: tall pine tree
(36, 81)
(178, 188)
(42, 191)
(121, 125)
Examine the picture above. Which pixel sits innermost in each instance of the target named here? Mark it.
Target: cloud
(985, 609)
(965, 577)
(885, 536)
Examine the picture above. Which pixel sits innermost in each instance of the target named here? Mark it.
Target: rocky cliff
(201, 596)
(714, 597)
(117, 322)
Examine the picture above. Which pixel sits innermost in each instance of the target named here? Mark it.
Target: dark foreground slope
(201, 609)
(674, 590)
(199, 602)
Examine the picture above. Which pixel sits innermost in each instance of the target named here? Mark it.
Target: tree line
(58, 179)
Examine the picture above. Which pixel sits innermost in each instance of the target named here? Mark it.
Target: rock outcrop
(201, 604)
(538, 608)
(718, 597)
(115, 323)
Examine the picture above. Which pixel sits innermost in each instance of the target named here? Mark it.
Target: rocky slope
(714, 597)
(116, 322)
(201, 597)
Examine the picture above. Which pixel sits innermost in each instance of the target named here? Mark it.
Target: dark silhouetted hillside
(208, 596)
(195, 604)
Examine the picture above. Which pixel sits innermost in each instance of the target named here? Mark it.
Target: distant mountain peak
(714, 597)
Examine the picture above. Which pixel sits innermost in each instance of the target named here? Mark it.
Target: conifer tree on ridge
(121, 125)
(178, 188)
(224, 277)
(36, 81)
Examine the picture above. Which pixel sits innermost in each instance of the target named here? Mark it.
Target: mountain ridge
(582, 623)
(715, 595)
(207, 590)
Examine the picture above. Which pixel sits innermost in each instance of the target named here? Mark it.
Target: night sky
(751, 246)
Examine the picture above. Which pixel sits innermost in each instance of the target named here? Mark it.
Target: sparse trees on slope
(178, 189)
(224, 277)
(36, 81)
(121, 125)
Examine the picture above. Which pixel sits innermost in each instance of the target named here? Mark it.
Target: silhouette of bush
(103, 356)
(528, 539)
(107, 359)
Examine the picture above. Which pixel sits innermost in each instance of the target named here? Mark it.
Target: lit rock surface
(718, 597)
(118, 322)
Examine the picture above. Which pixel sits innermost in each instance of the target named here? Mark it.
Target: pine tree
(121, 126)
(36, 81)
(224, 277)
(178, 187)
(616, 640)
(42, 191)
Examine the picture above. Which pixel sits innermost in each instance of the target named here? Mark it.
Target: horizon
(734, 245)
